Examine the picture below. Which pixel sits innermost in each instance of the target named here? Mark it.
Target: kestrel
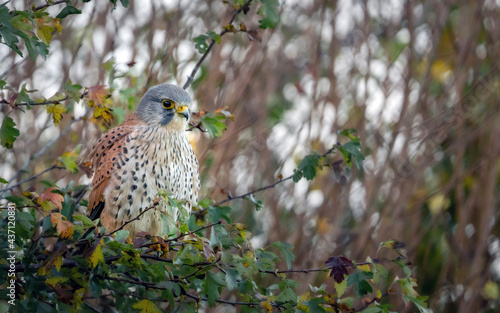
(148, 152)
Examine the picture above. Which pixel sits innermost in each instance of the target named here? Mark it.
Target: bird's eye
(167, 104)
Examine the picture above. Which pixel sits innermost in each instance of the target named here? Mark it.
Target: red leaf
(338, 265)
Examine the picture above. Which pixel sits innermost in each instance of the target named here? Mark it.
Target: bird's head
(165, 105)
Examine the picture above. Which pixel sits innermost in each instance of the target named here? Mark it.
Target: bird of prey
(147, 153)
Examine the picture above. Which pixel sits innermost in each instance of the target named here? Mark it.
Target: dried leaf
(98, 95)
(54, 198)
(63, 227)
(338, 264)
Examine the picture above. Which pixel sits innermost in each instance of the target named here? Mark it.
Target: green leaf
(8, 132)
(287, 295)
(232, 278)
(419, 301)
(269, 13)
(200, 43)
(211, 287)
(373, 309)
(214, 36)
(285, 248)
(213, 125)
(314, 305)
(307, 168)
(361, 286)
(3, 181)
(349, 134)
(257, 203)
(219, 212)
(69, 9)
(84, 219)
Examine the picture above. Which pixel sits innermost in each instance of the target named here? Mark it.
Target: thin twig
(31, 178)
(41, 7)
(37, 103)
(229, 198)
(134, 219)
(212, 43)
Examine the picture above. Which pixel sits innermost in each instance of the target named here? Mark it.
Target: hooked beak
(183, 111)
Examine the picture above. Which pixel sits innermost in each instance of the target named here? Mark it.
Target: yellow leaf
(364, 267)
(146, 306)
(105, 113)
(304, 297)
(44, 31)
(243, 28)
(96, 255)
(54, 260)
(63, 227)
(266, 305)
(57, 111)
(57, 25)
(54, 280)
(491, 290)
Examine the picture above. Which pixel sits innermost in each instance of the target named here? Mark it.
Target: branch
(134, 219)
(212, 43)
(36, 103)
(31, 178)
(48, 4)
(229, 198)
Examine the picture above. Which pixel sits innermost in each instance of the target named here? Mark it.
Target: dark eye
(167, 104)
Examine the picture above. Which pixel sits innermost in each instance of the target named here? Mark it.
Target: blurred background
(419, 80)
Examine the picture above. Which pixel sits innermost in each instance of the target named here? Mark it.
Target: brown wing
(102, 158)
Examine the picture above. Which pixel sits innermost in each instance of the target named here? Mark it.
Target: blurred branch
(30, 178)
(36, 103)
(229, 197)
(49, 4)
(212, 43)
(42, 150)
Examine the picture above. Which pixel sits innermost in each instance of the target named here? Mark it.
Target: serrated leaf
(200, 43)
(269, 13)
(43, 30)
(146, 306)
(308, 167)
(57, 111)
(94, 255)
(97, 94)
(338, 265)
(340, 288)
(69, 159)
(54, 260)
(103, 112)
(213, 125)
(285, 249)
(314, 305)
(63, 227)
(287, 295)
(361, 286)
(73, 90)
(55, 198)
(211, 287)
(8, 132)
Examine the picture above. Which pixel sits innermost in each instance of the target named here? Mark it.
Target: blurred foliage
(418, 80)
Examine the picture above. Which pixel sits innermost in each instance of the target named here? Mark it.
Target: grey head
(162, 103)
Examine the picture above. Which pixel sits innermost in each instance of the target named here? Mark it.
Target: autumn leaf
(63, 226)
(97, 95)
(44, 31)
(54, 260)
(338, 264)
(103, 112)
(57, 111)
(94, 255)
(146, 306)
(57, 25)
(52, 197)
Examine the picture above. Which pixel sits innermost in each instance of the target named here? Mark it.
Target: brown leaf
(98, 94)
(54, 198)
(254, 35)
(63, 227)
